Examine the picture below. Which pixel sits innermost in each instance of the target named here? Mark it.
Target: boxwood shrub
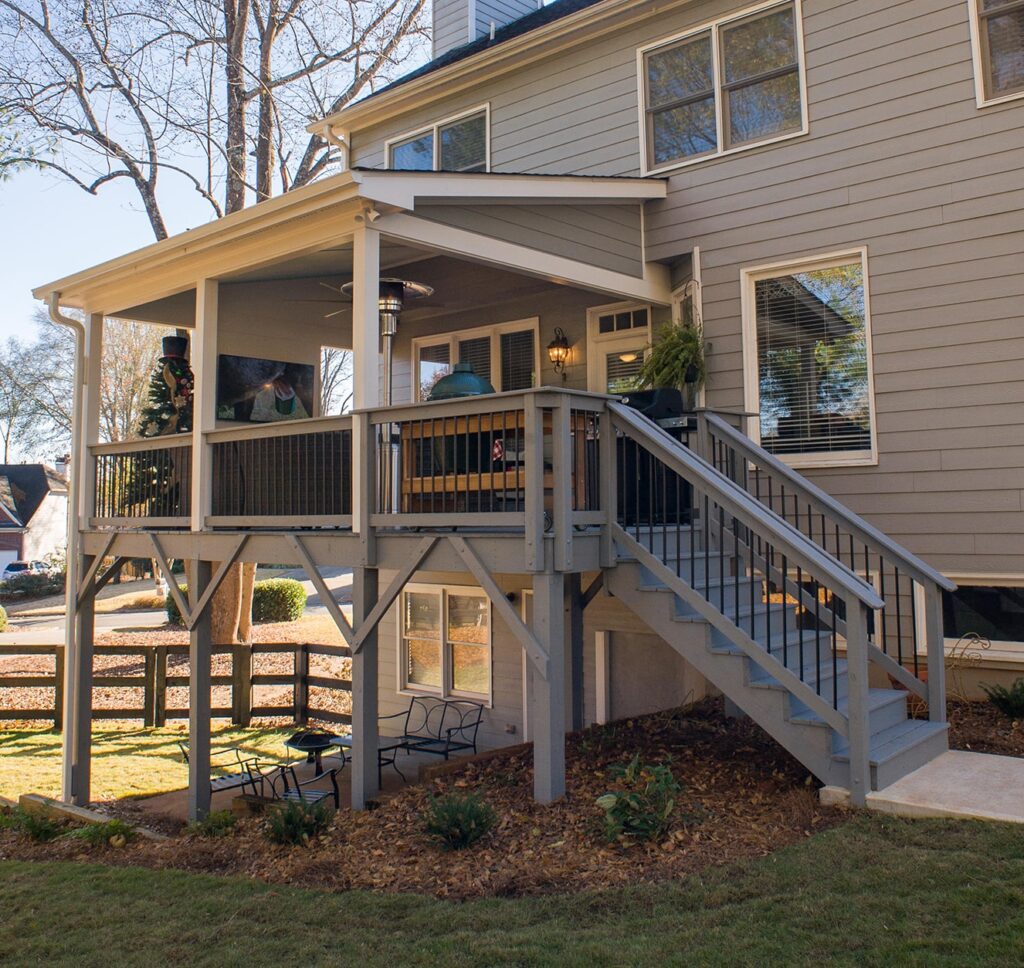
(3, 619)
(273, 600)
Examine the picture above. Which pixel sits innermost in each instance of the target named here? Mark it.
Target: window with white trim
(445, 641)
(807, 352)
(992, 612)
(728, 85)
(618, 337)
(998, 33)
(507, 355)
(458, 144)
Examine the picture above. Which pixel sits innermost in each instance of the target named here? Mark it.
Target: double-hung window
(998, 33)
(506, 355)
(457, 144)
(445, 641)
(729, 85)
(807, 356)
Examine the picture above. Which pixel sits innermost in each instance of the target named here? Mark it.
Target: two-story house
(833, 190)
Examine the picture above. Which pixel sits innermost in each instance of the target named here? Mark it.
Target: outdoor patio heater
(393, 295)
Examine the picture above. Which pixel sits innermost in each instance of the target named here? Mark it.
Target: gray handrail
(911, 564)
(738, 502)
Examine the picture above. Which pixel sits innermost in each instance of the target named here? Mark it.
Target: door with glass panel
(619, 338)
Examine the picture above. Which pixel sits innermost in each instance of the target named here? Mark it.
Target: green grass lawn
(126, 761)
(876, 891)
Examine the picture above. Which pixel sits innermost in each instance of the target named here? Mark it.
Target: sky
(50, 228)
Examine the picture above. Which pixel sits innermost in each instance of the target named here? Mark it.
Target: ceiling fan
(344, 300)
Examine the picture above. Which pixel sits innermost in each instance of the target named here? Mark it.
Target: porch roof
(402, 205)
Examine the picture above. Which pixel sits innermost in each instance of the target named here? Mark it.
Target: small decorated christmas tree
(168, 409)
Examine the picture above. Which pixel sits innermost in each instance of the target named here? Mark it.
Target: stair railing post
(608, 485)
(561, 469)
(936, 646)
(533, 497)
(857, 703)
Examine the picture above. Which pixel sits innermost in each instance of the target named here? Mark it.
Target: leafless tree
(335, 381)
(103, 90)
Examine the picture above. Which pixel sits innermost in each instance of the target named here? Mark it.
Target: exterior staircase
(766, 600)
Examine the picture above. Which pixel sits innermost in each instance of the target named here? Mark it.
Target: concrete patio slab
(968, 786)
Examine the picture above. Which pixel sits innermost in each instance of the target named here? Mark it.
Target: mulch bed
(981, 728)
(743, 797)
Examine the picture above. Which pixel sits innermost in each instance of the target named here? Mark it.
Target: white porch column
(203, 355)
(365, 738)
(79, 625)
(547, 696)
(200, 651)
(365, 318)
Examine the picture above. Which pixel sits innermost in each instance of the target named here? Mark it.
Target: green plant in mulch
(1010, 702)
(273, 600)
(297, 823)
(456, 821)
(113, 833)
(219, 823)
(3, 619)
(35, 826)
(644, 808)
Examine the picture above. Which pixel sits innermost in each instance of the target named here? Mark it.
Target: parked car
(17, 568)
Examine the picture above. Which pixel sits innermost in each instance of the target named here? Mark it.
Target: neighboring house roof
(545, 15)
(23, 488)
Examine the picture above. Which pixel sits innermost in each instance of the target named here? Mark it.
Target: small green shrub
(173, 612)
(1010, 702)
(273, 600)
(113, 833)
(643, 810)
(297, 823)
(219, 823)
(278, 600)
(30, 585)
(458, 821)
(35, 826)
(3, 619)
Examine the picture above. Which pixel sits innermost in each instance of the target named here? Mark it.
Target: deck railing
(143, 479)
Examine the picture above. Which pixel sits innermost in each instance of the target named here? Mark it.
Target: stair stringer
(769, 705)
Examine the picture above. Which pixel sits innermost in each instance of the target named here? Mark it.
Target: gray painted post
(858, 716)
(300, 691)
(936, 644)
(533, 498)
(199, 658)
(561, 472)
(574, 620)
(365, 588)
(608, 484)
(78, 712)
(547, 697)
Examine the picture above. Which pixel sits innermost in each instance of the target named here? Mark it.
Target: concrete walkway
(957, 784)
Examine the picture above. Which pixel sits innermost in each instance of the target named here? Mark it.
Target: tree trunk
(231, 608)
(236, 15)
(265, 133)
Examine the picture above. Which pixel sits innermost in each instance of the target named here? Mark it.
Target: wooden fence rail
(155, 680)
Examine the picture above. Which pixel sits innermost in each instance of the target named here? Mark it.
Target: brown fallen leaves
(743, 796)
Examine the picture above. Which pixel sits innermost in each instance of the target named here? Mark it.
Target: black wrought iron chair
(231, 769)
(436, 726)
(285, 785)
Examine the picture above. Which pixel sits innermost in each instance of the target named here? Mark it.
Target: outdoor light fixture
(391, 298)
(627, 357)
(558, 351)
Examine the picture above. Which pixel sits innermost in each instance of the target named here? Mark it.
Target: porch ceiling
(308, 233)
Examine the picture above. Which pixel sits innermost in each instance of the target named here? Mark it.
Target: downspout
(338, 142)
(72, 578)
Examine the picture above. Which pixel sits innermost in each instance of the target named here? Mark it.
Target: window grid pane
(1004, 41)
(416, 154)
(464, 145)
(764, 109)
(434, 363)
(812, 361)
(477, 352)
(517, 360)
(759, 46)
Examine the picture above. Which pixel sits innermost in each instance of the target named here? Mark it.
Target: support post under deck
(78, 697)
(365, 739)
(547, 696)
(200, 651)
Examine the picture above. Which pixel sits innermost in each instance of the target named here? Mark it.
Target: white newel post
(203, 355)
(79, 621)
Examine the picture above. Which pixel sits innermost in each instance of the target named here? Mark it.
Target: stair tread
(894, 740)
(877, 699)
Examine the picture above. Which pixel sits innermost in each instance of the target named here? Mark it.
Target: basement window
(993, 612)
(445, 642)
(455, 144)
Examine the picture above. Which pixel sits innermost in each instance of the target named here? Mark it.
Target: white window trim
(751, 383)
(980, 73)
(403, 688)
(714, 26)
(435, 129)
(493, 331)
(595, 370)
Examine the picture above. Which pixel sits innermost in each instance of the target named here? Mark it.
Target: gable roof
(523, 25)
(23, 488)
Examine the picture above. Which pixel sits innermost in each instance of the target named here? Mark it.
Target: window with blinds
(505, 355)
(622, 370)
(813, 371)
(1000, 33)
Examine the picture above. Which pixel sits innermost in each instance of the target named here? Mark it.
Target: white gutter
(338, 141)
(69, 738)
